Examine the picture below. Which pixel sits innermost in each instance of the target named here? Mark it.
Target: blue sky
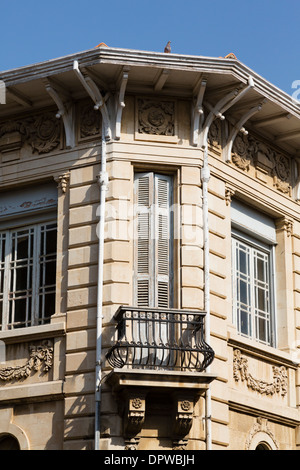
(264, 34)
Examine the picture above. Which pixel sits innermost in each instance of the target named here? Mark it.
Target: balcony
(158, 352)
(160, 339)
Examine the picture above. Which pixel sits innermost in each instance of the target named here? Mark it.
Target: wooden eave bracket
(65, 110)
(95, 94)
(198, 113)
(238, 127)
(217, 112)
(120, 101)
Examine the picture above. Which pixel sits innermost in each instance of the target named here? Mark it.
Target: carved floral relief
(214, 134)
(241, 372)
(42, 132)
(247, 151)
(89, 122)
(156, 119)
(40, 357)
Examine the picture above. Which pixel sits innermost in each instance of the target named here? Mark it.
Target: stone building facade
(149, 255)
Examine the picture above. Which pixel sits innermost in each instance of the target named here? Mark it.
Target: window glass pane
(244, 294)
(243, 264)
(244, 322)
(27, 275)
(20, 311)
(260, 270)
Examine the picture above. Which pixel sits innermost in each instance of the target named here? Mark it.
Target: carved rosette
(241, 372)
(156, 117)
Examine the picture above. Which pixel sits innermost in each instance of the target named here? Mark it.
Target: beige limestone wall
(81, 307)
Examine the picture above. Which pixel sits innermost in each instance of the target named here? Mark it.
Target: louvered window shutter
(152, 264)
(163, 241)
(143, 184)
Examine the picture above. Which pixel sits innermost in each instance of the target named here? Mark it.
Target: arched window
(9, 442)
(262, 446)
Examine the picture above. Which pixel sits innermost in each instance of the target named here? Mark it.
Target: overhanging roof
(168, 74)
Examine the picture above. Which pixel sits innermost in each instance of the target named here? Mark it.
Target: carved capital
(286, 225)
(229, 193)
(62, 181)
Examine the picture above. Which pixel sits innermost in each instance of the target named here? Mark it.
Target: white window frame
(267, 249)
(33, 224)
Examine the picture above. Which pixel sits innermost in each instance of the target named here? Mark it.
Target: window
(252, 289)
(9, 442)
(27, 275)
(154, 241)
(253, 275)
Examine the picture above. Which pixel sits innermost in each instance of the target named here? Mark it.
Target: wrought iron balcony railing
(154, 338)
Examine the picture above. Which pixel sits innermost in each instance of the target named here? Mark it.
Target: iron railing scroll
(156, 338)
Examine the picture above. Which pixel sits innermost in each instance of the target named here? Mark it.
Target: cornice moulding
(116, 56)
(33, 333)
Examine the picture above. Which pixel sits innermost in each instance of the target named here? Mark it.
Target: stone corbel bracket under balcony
(132, 387)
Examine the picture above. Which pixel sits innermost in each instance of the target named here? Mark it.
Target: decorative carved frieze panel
(267, 164)
(215, 135)
(40, 358)
(156, 119)
(89, 121)
(42, 132)
(241, 372)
